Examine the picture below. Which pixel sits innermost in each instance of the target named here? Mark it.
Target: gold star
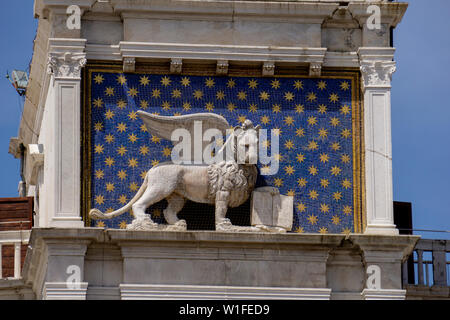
(323, 133)
(337, 196)
(133, 186)
(155, 163)
(252, 84)
(109, 137)
(334, 97)
(323, 158)
(185, 81)
(121, 127)
(300, 132)
(109, 161)
(98, 126)
(231, 107)
(324, 208)
(109, 114)
(209, 82)
(277, 131)
(346, 231)
(299, 230)
(110, 187)
(132, 115)
(253, 108)
(121, 79)
(167, 151)
(289, 144)
(242, 95)
(263, 95)
(231, 83)
(144, 81)
(144, 150)
(311, 97)
(312, 219)
(122, 150)
(209, 106)
(300, 158)
(220, 95)
(301, 207)
(99, 79)
(312, 145)
(321, 85)
(302, 182)
(109, 91)
(166, 105)
(323, 230)
(143, 174)
(155, 139)
(99, 174)
(122, 174)
(347, 210)
(176, 93)
(346, 184)
(322, 109)
(276, 108)
(123, 225)
(299, 108)
(278, 182)
(121, 104)
(156, 93)
(289, 120)
(335, 146)
(312, 170)
(242, 119)
(335, 171)
(291, 193)
(165, 81)
(334, 121)
(312, 121)
(132, 92)
(298, 84)
(122, 199)
(336, 220)
(345, 109)
(100, 224)
(289, 170)
(346, 133)
(144, 128)
(345, 85)
(324, 183)
(98, 102)
(198, 94)
(265, 119)
(132, 137)
(289, 96)
(275, 84)
(186, 106)
(98, 148)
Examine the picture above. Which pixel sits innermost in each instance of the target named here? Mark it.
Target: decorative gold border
(206, 70)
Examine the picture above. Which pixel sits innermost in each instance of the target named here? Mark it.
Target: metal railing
(429, 264)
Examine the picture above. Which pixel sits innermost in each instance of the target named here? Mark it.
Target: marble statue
(228, 183)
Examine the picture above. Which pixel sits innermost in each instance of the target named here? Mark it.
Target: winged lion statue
(227, 183)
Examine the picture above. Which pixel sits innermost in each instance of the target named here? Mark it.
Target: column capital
(377, 67)
(66, 58)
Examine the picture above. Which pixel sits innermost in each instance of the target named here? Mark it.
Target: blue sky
(420, 106)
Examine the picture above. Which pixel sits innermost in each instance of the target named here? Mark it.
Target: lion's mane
(232, 177)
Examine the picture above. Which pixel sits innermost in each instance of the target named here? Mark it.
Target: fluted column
(377, 67)
(62, 147)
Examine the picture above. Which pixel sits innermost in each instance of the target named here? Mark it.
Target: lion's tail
(98, 215)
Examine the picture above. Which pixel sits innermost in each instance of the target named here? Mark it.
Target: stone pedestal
(120, 264)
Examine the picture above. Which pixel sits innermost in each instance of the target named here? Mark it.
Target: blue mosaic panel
(312, 117)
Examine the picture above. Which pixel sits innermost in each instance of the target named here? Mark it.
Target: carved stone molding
(268, 69)
(176, 65)
(129, 64)
(377, 73)
(222, 67)
(315, 69)
(66, 65)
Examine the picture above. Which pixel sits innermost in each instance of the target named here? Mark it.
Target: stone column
(377, 67)
(62, 168)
